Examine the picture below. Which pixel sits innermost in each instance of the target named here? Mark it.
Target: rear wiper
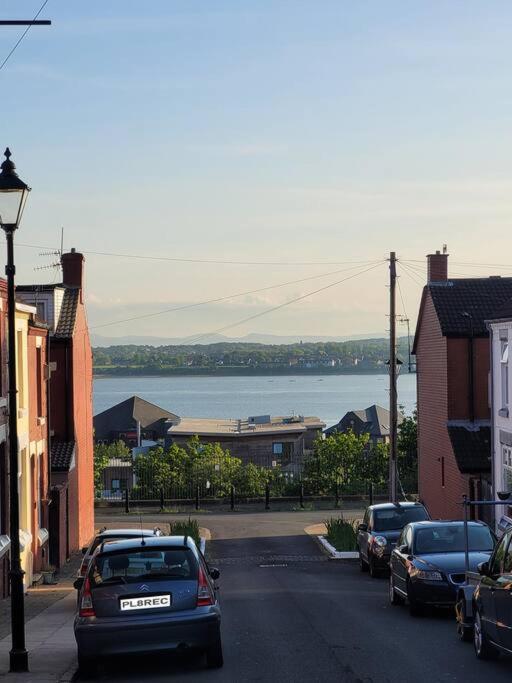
(114, 579)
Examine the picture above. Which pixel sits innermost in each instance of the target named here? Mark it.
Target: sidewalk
(50, 644)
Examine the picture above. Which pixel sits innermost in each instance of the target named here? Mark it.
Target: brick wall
(458, 378)
(433, 409)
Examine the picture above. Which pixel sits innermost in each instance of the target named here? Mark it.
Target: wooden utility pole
(393, 408)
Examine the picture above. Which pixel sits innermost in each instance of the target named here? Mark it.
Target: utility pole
(393, 407)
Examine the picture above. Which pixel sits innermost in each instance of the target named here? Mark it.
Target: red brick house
(71, 513)
(452, 355)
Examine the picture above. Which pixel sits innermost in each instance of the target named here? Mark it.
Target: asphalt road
(291, 615)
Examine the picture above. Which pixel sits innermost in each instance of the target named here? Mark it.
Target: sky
(276, 132)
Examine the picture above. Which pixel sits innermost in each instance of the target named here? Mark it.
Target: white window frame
(506, 463)
(504, 354)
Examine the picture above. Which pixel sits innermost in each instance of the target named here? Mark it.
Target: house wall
(500, 416)
(437, 369)
(4, 453)
(458, 379)
(38, 443)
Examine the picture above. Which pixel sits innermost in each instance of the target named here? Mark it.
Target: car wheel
(87, 667)
(214, 657)
(483, 648)
(415, 607)
(374, 572)
(394, 598)
(464, 632)
(363, 566)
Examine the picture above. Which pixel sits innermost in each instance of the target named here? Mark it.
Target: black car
(380, 529)
(492, 603)
(427, 567)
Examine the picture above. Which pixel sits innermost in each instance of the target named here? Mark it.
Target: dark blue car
(148, 595)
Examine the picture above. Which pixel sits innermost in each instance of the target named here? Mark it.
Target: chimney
(73, 269)
(437, 266)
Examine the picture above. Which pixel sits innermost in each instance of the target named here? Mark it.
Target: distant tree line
(367, 355)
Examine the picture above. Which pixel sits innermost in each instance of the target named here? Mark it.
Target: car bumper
(433, 592)
(99, 637)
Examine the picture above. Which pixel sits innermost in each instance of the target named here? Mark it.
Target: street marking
(264, 566)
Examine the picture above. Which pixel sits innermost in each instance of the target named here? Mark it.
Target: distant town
(238, 358)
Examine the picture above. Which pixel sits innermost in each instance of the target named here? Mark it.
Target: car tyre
(465, 633)
(374, 572)
(416, 609)
(363, 566)
(483, 648)
(214, 656)
(394, 598)
(87, 667)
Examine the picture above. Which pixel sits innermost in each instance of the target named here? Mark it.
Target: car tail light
(86, 608)
(204, 592)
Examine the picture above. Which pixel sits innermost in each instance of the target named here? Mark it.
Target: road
(291, 615)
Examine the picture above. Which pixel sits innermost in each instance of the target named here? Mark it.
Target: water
(328, 397)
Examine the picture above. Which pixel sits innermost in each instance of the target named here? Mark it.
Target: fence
(124, 483)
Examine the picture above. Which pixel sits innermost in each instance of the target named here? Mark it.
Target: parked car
(106, 535)
(380, 529)
(427, 566)
(147, 595)
(492, 603)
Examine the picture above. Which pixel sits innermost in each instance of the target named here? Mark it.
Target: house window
(504, 374)
(116, 484)
(277, 449)
(19, 371)
(39, 373)
(507, 467)
(41, 310)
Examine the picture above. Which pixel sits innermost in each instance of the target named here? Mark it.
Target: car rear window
(450, 539)
(106, 539)
(143, 564)
(393, 519)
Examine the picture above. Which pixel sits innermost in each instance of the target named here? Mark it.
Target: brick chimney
(73, 270)
(437, 266)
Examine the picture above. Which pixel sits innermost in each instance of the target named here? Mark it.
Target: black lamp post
(13, 195)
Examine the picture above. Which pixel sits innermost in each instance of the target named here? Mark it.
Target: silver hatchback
(147, 595)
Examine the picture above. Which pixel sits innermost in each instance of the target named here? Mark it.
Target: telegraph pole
(393, 408)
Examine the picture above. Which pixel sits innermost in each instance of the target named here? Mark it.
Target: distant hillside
(232, 358)
(253, 338)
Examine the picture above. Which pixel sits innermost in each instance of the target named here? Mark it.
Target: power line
(23, 35)
(194, 339)
(227, 297)
(212, 261)
(411, 274)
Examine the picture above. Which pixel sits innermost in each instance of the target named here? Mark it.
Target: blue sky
(263, 131)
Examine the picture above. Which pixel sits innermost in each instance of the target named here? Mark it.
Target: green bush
(189, 527)
(341, 534)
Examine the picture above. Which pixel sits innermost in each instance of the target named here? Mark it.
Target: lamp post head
(13, 194)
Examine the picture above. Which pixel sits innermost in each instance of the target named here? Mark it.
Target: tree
(407, 447)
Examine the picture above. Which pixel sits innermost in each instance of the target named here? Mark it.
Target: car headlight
(380, 541)
(425, 575)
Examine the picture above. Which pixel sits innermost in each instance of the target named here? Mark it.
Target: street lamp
(13, 195)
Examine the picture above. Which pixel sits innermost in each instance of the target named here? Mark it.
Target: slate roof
(471, 446)
(480, 297)
(125, 415)
(504, 312)
(62, 455)
(373, 420)
(67, 316)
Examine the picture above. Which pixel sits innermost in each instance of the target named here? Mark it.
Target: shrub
(189, 527)
(341, 534)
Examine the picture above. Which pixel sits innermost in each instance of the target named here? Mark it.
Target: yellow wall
(24, 474)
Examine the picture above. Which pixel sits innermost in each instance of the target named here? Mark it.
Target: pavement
(289, 614)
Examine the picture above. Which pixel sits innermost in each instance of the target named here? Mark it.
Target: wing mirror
(78, 583)
(362, 527)
(404, 549)
(483, 568)
(214, 573)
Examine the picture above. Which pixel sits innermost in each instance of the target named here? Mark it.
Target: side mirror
(85, 549)
(78, 583)
(214, 573)
(404, 549)
(483, 568)
(362, 527)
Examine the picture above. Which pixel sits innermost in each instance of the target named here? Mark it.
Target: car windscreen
(393, 519)
(450, 539)
(143, 564)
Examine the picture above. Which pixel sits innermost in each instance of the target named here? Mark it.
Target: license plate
(145, 602)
